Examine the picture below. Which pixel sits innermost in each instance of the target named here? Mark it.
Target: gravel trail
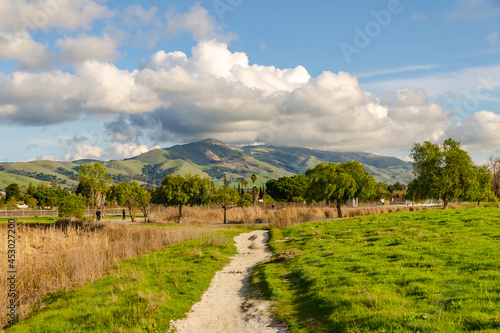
(226, 306)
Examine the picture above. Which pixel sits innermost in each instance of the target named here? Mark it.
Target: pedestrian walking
(123, 213)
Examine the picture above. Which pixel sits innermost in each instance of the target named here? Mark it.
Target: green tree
(384, 191)
(52, 202)
(441, 172)
(44, 197)
(143, 198)
(42, 187)
(54, 185)
(31, 202)
(12, 191)
(227, 198)
(94, 183)
(479, 185)
(397, 186)
(137, 199)
(12, 202)
(117, 194)
(245, 200)
(72, 206)
(177, 190)
(131, 201)
(31, 189)
(397, 190)
(288, 189)
(133, 196)
(334, 182)
(255, 190)
(255, 194)
(244, 184)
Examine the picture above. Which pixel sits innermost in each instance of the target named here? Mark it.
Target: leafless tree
(494, 168)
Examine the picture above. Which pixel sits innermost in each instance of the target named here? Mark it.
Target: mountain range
(208, 158)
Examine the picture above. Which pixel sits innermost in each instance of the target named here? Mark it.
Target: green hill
(218, 160)
(208, 158)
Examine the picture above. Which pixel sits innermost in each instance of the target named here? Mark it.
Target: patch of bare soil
(227, 306)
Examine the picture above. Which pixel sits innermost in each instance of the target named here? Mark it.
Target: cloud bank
(217, 93)
(213, 92)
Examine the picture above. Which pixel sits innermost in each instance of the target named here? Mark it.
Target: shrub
(72, 206)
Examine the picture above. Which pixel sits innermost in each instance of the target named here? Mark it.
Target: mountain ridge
(209, 158)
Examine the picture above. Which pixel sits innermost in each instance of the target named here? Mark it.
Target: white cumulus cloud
(415, 106)
(198, 22)
(81, 49)
(20, 46)
(115, 151)
(22, 15)
(480, 132)
(216, 93)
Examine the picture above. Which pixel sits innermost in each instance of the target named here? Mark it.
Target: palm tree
(254, 179)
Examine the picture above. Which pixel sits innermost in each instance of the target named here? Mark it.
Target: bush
(72, 206)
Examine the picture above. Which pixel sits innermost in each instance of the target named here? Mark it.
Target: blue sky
(113, 79)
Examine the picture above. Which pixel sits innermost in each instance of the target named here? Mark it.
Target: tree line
(442, 172)
(446, 172)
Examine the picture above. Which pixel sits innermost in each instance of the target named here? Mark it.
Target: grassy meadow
(418, 271)
(54, 260)
(141, 294)
(428, 271)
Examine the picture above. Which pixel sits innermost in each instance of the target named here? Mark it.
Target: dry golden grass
(279, 218)
(237, 215)
(49, 260)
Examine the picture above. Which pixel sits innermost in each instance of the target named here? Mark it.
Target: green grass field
(430, 271)
(27, 220)
(139, 295)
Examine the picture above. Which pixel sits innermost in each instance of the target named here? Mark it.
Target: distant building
(21, 204)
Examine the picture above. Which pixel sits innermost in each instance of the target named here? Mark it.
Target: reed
(52, 259)
(273, 217)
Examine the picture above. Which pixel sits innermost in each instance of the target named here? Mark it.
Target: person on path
(123, 213)
(98, 214)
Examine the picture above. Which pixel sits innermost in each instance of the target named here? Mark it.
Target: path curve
(226, 305)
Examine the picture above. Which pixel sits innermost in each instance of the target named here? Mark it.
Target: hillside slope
(208, 158)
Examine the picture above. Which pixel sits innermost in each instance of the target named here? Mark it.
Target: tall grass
(50, 259)
(275, 217)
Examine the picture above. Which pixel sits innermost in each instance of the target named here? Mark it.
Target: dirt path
(225, 306)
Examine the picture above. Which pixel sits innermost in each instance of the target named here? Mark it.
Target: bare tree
(494, 169)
